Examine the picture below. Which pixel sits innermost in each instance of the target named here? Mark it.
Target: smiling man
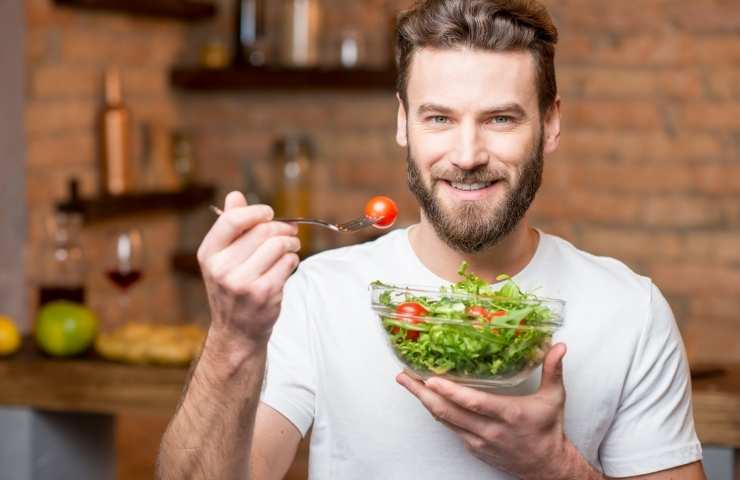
(478, 113)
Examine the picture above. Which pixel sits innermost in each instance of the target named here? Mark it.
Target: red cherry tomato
(406, 311)
(519, 329)
(498, 313)
(382, 208)
(478, 311)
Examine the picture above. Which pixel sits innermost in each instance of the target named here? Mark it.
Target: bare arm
(246, 260)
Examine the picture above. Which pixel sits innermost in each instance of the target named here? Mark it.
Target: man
(478, 110)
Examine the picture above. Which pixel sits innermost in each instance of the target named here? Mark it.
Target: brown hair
(501, 25)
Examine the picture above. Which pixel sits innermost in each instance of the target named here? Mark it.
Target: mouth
(471, 190)
(470, 187)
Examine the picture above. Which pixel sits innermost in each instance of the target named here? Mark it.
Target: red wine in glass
(124, 279)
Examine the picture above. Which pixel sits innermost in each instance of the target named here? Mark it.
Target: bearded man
(478, 113)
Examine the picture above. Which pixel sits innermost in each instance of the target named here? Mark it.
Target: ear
(401, 138)
(552, 127)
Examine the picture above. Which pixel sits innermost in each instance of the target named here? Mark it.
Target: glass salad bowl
(467, 333)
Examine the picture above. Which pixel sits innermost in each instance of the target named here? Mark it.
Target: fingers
(230, 225)
(552, 370)
(244, 246)
(485, 404)
(234, 200)
(442, 409)
(263, 259)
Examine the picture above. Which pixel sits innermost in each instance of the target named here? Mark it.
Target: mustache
(457, 175)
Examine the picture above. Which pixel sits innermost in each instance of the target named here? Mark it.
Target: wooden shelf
(106, 207)
(88, 384)
(273, 78)
(177, 9)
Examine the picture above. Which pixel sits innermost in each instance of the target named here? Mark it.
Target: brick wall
(648, 170)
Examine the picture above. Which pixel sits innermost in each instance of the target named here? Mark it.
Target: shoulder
(606, 276)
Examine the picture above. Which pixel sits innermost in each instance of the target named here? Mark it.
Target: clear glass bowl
(497, 346)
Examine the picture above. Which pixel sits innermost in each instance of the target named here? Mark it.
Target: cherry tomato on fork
(384, 209)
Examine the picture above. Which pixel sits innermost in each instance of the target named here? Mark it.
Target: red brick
(722, 306)
(631, 177)
(641, 146)
(717, 116)
(615, 115)
(102, 47)
(640, 84)
(55, 152)
(708, 16)
(682, 211)
(146, 82)
(712, 340)
(696, 278)
(582, 15)
(585, 206)
(49, 117)
(54, 81)
(724, 83)
(632, 244)
(720, 247)
(38, 46)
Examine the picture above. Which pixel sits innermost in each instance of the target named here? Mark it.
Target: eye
(501, 119)
(439, 119)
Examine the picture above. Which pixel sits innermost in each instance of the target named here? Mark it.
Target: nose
(471, 152)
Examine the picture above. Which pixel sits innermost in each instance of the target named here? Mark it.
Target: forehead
(467, 78)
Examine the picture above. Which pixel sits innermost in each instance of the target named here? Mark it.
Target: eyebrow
(511, 107)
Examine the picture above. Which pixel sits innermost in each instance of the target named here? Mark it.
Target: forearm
(574, 465)
(210, 435)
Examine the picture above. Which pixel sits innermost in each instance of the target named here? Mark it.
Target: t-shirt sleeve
(653, 428)
(290, 385)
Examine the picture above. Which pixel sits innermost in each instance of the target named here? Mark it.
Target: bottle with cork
(116, 176)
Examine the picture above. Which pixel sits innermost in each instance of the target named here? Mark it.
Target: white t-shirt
(628, 407)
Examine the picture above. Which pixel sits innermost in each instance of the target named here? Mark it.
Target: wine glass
(124, 269)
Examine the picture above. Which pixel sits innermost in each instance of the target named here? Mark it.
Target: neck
(509, 256)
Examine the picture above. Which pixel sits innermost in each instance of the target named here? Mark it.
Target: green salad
(467, 329)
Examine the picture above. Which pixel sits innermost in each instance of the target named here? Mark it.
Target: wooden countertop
(90, 384)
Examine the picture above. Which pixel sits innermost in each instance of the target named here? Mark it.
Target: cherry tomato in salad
(519, 329)
(478, 311)
(406, 311)
(384, 209)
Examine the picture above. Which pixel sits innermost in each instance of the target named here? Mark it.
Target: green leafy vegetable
(468, 329)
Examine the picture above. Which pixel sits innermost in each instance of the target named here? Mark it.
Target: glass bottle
(116, 175)
(63, 263)
(293, 156)
(300, 36)
(249, 32)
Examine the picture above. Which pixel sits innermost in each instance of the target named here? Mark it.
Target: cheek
(511, 148)
(428, 149)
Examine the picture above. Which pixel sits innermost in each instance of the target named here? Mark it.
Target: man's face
(475, 141)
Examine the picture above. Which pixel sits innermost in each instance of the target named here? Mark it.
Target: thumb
(234, 200)
(552, 368)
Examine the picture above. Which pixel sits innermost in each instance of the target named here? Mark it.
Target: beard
(473, 226)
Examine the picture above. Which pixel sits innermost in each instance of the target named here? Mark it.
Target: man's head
(478, 108)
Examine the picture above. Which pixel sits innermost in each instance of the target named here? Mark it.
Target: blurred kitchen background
(132, 116)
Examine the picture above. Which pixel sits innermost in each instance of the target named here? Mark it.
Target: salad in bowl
(468, 332)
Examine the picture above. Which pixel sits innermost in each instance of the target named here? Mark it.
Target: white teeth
(470, 186)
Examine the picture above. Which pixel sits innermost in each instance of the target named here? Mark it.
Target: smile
(470, 186)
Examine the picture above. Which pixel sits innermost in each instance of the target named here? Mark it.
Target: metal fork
(351, 226)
